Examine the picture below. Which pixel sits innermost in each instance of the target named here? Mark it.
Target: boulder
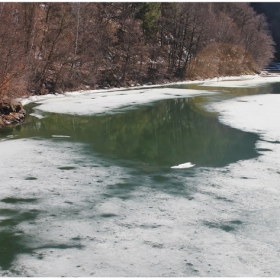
(11, 112)
(16, 106)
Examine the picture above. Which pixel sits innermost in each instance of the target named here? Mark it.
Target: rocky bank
(11, 113)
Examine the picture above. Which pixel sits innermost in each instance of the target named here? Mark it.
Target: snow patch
(183, 165)
(37, 115)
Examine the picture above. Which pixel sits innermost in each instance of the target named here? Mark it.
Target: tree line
(57, 47)
(272, 12)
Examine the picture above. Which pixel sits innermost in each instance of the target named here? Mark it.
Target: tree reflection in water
(166, 133)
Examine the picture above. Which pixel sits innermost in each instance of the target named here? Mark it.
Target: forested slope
(272, 12)
(54, 47)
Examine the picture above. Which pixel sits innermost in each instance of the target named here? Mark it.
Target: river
(91, 183)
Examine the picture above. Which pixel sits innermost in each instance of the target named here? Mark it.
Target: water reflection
(169, 133)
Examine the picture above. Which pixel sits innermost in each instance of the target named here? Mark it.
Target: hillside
(57, 47)
(272, 12)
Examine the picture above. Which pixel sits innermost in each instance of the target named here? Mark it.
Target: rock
(22, 112)
(16, 106)
(5, 108)
(11, 113)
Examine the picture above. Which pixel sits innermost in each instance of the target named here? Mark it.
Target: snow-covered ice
(92, 102)
(246, 81)
(258, 114)
(87, 216)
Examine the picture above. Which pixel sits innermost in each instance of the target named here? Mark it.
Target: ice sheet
(92, 217)
(92, 102)
(258, 114)
(220, 222)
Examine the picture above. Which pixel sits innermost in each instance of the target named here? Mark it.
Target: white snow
(183, 165)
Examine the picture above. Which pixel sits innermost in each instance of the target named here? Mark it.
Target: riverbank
(11, 113)
(37, 98)
(91, 102)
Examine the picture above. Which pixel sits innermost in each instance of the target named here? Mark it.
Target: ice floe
(60, 136)
(183, 165)
(39, 116)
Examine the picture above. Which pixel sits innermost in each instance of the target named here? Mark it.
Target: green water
(163, 134)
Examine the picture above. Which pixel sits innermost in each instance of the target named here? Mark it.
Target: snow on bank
(100, 101)
(243, 82)
(39, 98)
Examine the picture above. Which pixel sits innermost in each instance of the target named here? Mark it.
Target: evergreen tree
(149, 14)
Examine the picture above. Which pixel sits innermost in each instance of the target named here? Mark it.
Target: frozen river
(87, 187)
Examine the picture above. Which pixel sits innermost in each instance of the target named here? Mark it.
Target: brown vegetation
(220, 59)
(11, 113)
(54, 47)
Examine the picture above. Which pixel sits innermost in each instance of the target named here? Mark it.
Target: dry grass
(220, 59)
